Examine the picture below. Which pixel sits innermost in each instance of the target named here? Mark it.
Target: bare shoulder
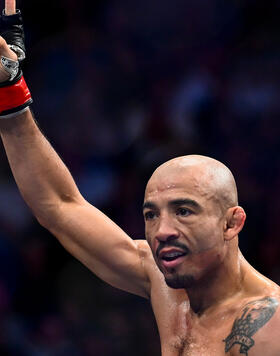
(256, 329)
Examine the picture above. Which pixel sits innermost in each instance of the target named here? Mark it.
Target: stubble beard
(177, 281)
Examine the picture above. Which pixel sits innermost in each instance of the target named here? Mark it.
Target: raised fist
(12, 48)
(14, 94)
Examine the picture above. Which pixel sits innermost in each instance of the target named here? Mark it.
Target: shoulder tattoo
(253, 316)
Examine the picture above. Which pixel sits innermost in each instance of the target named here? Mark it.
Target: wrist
(15, 97)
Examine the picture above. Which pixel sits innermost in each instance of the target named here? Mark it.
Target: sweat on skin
(203, 191)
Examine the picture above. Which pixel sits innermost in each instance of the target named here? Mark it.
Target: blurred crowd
(119, 87)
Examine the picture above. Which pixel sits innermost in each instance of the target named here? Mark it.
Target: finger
(10, 7)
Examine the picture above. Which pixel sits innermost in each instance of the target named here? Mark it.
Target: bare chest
(237, 326)
(182, 334)
(192, 346)
(194, 340)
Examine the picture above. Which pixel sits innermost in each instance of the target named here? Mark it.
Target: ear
(235, 219)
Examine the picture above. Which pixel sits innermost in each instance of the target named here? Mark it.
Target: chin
(180, 282)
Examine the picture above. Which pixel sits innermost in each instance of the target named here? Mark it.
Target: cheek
(208, 236)
(148, 239)
(152, 243)
(205, 262)
(148, 236)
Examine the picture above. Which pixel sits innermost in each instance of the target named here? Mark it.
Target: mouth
(171, 258)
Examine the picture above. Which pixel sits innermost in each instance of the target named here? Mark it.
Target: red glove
(15, 96)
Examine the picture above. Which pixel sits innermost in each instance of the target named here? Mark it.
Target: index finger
(10, 7)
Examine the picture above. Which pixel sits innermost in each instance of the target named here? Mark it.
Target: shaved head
(207, 176)
(192, 219)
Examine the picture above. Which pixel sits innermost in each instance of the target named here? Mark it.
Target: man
(207, 300)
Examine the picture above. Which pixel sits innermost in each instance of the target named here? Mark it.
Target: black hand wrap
(15, 96)
(11, 29)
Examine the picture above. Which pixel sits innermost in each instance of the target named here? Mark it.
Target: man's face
(184, 226)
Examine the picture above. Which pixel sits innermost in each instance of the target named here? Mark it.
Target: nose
(166, 230)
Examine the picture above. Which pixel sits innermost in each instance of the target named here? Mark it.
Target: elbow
(47, 215)
(43, 221)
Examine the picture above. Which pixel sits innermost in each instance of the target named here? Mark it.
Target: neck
(224, 282)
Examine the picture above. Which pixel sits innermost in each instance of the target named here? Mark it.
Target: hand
(12, 32)
(15, 96)
(5, 51)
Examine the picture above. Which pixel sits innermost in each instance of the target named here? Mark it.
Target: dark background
(120, 87)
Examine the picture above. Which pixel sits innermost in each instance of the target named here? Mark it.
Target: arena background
(120, 86)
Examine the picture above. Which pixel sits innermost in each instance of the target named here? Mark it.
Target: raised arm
(50, 191)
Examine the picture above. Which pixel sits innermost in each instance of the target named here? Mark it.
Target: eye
(149, 215)
(183, 212)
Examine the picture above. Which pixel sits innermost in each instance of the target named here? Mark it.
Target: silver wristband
(11, 66)
(18, 51)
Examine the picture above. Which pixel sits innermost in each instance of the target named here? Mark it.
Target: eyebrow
(175, 202)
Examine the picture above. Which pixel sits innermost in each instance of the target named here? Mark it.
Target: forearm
(42, 177)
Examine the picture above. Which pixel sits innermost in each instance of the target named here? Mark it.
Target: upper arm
(101, 245)
(256, 330)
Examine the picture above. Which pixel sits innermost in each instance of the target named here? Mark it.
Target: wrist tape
(15, 97)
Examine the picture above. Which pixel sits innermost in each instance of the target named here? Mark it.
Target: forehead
(172, 182)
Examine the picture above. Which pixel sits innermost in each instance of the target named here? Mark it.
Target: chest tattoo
(254, 316)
